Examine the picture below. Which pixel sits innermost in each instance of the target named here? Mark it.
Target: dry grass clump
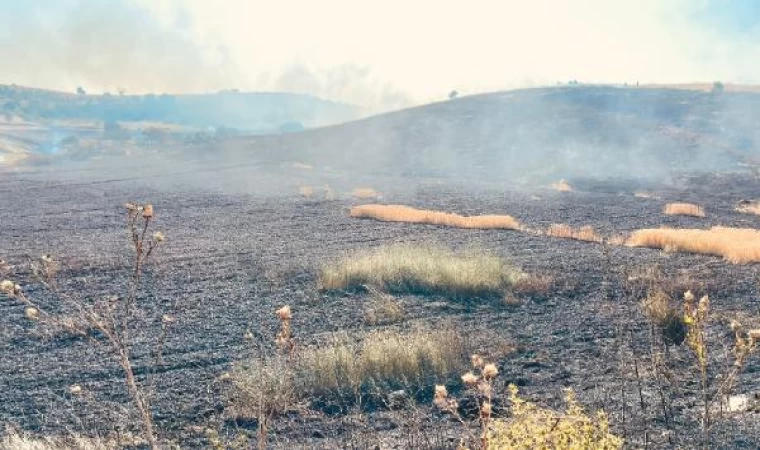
(661, 311)
(736, 245)
(642, 194)
(365, 193)
(306, 191)
(426, 270)
(749, 207)
(584, 233)
(389, 359)
(383, 309)
(347, 368)
(684, 209)
(562, 186)
(401, 213)
(14, 440)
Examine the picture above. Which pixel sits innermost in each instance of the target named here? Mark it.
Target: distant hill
(544, 133)
(251, 112)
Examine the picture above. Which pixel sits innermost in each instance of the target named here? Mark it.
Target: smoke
(104, 46)
(382, 55)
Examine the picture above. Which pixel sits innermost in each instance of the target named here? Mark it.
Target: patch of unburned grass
(749, 207)
(584, 233)
(390, 359)
(365, 193)
(306, 191)
(348, 368)
(562, 186)
(684, 209)
(426, 270)
(736, 245)
(401, 213)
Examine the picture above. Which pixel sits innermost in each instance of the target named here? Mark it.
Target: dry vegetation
(749, 207)
(346, 369)
(736, 245)
(584, 233)
(684, 209)
(562, 186)
(306, 191)
(401, 213)
(365, 193)
(13, 440)
(421, 270)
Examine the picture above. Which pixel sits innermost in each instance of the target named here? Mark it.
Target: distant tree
(81, 91)
(717, 87)
(453, 95)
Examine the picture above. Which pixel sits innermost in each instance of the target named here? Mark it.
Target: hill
(578, 131)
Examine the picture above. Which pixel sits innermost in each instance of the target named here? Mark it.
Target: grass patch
(14, 440)
(365, 193)
(426, 270)
(684, 209)
(749, 207)
(306, 191)
(736, 245)
(562, 186)
(346, 368)
(401, 213)
(584, 233)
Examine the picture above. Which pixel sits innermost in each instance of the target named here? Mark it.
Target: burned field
(231, 260)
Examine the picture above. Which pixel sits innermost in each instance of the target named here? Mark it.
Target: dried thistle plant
(113, 317)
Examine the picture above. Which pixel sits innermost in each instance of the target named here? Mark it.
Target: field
(328, 288)
(232, 257)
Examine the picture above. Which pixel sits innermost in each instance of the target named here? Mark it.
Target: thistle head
(32, 313)
(688, 296)
(147, 211)
(7, 287)
(284, 313)
(490, 371)
(469, 378)
(477, 361)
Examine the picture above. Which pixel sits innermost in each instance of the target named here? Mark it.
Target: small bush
(664, 316)
(532, 427)
(684, 209)
(736, 245)
(584, 233)
(263, 387)
(401, 213)
(426, 270)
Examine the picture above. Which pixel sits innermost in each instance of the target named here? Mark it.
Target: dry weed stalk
(306, 191)
(401, 213)
(480, 381)
(113, 318)
(684, 209)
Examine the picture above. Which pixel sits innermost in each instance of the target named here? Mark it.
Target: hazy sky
(377, 54)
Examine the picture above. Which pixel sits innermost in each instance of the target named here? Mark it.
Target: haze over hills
(37, 121)
(522, 136)
(546, 133)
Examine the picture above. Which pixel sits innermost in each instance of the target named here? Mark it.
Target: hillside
(582, 131)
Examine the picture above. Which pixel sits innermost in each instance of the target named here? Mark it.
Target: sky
(376, 54)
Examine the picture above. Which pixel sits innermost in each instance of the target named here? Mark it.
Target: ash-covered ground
(234, 255)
